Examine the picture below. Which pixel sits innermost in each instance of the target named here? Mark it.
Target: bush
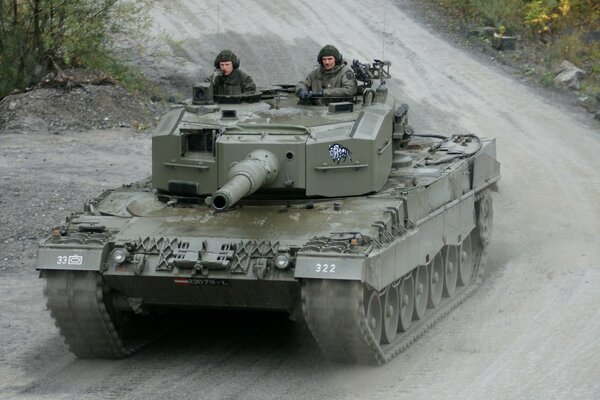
(545, 16)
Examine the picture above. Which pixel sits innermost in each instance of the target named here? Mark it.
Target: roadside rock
(569, 75)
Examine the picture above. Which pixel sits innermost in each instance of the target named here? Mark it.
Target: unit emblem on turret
(338, 153)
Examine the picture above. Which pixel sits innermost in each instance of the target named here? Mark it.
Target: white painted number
(325, 268)
(69, 260)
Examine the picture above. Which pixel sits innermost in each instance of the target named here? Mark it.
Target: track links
(335, 313)
(76, 300)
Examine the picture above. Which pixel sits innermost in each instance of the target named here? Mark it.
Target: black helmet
(331, 51)
(227, 55)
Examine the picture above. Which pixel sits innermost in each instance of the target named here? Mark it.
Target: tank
(331, 210)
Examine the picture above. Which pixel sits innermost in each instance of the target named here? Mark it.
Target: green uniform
(338, 82)
(238, 82)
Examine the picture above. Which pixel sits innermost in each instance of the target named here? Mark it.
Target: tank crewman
(229, 78)
(333, 78)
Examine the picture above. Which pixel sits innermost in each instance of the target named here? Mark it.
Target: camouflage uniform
(238, 82)
(338, 82)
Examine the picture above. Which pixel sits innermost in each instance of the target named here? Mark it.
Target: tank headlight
(282, 261)
(119, 256)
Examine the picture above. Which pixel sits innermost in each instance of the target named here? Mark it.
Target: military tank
(331, 209)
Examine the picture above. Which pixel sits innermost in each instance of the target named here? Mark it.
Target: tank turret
(334, 149)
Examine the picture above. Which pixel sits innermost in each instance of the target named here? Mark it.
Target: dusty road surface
(530, 332)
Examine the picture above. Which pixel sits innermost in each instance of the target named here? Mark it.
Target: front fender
(61, 257)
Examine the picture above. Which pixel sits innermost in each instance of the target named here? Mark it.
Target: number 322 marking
(325, 268)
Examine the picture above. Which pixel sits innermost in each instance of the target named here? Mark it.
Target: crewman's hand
(318, 93)
(303, 93)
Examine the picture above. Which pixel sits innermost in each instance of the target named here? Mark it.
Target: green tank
(332, 210)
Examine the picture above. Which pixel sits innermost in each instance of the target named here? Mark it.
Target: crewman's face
(328, 62)
(226, 67)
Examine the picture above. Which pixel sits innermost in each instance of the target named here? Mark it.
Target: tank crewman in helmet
(333, 78)
(229, 78)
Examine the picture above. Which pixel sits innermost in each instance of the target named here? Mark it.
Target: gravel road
(530, 332)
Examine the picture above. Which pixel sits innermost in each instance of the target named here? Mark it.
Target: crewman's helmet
(329, 51)
(227, 55)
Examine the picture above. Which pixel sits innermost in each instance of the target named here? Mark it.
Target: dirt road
(530, 332)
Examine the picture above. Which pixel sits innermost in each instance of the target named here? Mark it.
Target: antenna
(218, 25)
(383, 33)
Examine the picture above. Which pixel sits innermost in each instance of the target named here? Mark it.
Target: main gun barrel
(258, 169)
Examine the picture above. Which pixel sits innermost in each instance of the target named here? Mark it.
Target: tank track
(91, 328)
(335, 313)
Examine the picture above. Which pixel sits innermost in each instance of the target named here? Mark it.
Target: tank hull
(380, 263)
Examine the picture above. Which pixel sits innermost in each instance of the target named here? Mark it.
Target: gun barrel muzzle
(258, 169)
